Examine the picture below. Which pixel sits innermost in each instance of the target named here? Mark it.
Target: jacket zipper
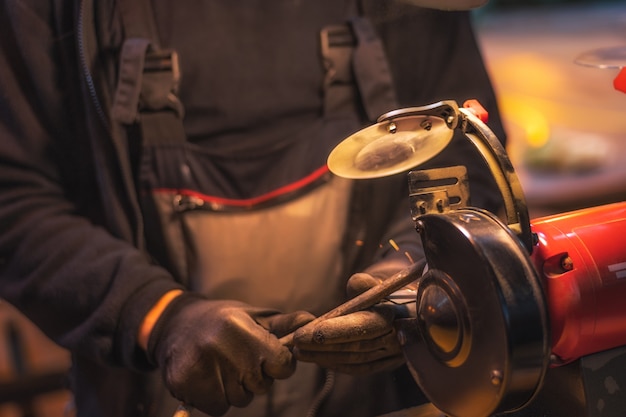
(183, 203)
(93, 94)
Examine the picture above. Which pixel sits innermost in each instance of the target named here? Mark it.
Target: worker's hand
(217, 354)
(359, 343)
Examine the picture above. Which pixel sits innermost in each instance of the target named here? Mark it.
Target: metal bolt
(392, 128)
(440, 205)
(426, 124)
(567, 263)
(419, 226)
(496, 377)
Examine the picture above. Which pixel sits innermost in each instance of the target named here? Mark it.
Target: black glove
(359, 343)
(214, 354)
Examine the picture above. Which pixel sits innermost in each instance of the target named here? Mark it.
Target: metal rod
(368, 298)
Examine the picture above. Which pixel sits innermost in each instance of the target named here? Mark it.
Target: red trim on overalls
(284, 190)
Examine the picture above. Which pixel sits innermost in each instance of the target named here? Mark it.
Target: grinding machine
(513, 316)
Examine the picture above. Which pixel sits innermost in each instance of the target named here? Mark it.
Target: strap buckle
(337, 44)
(161, 82)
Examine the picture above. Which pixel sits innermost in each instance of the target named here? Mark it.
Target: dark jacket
(72, 250)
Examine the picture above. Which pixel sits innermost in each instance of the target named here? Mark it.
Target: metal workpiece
(368, 298)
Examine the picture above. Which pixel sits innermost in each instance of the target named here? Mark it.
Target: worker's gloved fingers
(184, 387)
(211, 395)
(279, 362)
(361, 282)
(212, 401)
(360, 326)
(357, 358)
(237, 393)
(253, 382)
(386, 344)
(214, 353)
(357, 343)
(283, 324)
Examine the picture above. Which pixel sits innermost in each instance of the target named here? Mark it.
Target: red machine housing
(581, 255)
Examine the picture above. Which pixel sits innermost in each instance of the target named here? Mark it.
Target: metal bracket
(438, 190)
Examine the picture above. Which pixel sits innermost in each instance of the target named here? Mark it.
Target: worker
(167, 213)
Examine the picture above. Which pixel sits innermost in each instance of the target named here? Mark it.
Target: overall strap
(371, 71)
(147, 89)
(357, 78)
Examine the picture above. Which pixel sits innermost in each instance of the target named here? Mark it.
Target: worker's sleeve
(86, 289)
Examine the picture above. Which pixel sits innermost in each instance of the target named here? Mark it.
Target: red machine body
(581, 255)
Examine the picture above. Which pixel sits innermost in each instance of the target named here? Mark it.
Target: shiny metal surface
(389, 147)
(404, 138)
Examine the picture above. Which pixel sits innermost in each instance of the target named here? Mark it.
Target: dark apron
(281, 248)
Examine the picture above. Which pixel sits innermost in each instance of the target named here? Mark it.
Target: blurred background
(566, 123)
(567, 139)
(503, 4)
